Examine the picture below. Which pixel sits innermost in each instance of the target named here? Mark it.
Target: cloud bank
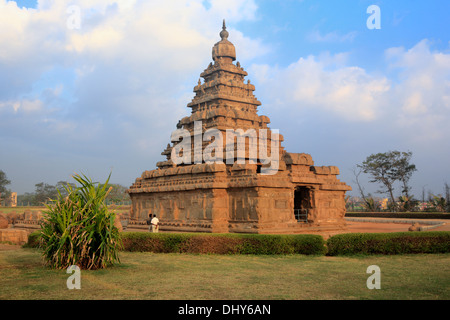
(110, 83)
(106, 96)
(343, 112)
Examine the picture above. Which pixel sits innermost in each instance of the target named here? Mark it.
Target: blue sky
(105, 97)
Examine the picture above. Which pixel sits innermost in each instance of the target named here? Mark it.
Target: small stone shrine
(209, 183)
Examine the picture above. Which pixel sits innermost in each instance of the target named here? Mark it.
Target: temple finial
(224, 32)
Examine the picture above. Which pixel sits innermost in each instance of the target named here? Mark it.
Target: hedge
(341, 244)
(223, 243)
(389, 243)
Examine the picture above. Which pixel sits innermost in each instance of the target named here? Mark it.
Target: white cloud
(133, 65)
(341, 113)
(122, 80)
(26, 106)
(149, 46)
(348, 92)
(414, 93)
(421, 96)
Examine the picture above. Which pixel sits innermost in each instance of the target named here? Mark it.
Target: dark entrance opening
(302, 203)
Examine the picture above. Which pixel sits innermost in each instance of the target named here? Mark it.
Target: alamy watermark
(74, 19)
(374, 281)
(258, 147)
(74, 281)
(374, 20)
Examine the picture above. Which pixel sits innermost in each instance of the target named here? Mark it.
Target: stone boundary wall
(14, 236)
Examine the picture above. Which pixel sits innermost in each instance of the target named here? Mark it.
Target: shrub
(223, 243)
(79, 230)
(389, 243)
(34, 239)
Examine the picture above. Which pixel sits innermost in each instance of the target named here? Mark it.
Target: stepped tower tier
(224, 101)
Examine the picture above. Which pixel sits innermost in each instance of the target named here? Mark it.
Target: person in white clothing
(149, 222)
(155, 224)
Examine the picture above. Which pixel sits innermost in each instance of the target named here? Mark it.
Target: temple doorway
(302, 203)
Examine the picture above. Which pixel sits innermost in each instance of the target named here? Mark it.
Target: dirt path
(378, 226)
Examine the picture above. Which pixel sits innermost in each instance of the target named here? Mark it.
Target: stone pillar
(220, 211)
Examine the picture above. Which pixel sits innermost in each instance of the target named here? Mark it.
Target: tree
(380, 167)
(369, 202)
(388, 168)
(61, 187)
(3, 183)
(447, 197)
(118, 194)
(44, 192)
(26, 199)
(403, 169)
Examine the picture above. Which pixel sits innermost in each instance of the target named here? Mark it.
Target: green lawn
(7, 210)
(229, 277)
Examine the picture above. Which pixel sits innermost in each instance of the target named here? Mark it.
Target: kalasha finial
(224, 32)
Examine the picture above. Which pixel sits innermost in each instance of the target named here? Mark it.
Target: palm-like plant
(370, 204)
(406, 203)
(79, 230)
(439, 203)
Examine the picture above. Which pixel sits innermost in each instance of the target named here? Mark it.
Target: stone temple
(209, 183)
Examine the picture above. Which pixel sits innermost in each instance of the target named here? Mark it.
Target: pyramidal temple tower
(226, 171)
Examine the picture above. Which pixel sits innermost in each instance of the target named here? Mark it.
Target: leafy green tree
(44, 192)
(388, 168)
(26, 199)
(379, 167)
(3, 183)
(118, 194)
(403, 170)
(61, 187)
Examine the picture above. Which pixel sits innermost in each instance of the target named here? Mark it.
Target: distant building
(384, 203)
(11, 201)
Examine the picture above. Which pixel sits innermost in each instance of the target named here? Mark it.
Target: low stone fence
(14, 236)
(16, 226)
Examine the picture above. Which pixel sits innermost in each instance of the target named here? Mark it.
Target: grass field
(20, 209)
(230, 277)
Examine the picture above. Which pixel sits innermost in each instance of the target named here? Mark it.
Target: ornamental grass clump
(78, 229)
